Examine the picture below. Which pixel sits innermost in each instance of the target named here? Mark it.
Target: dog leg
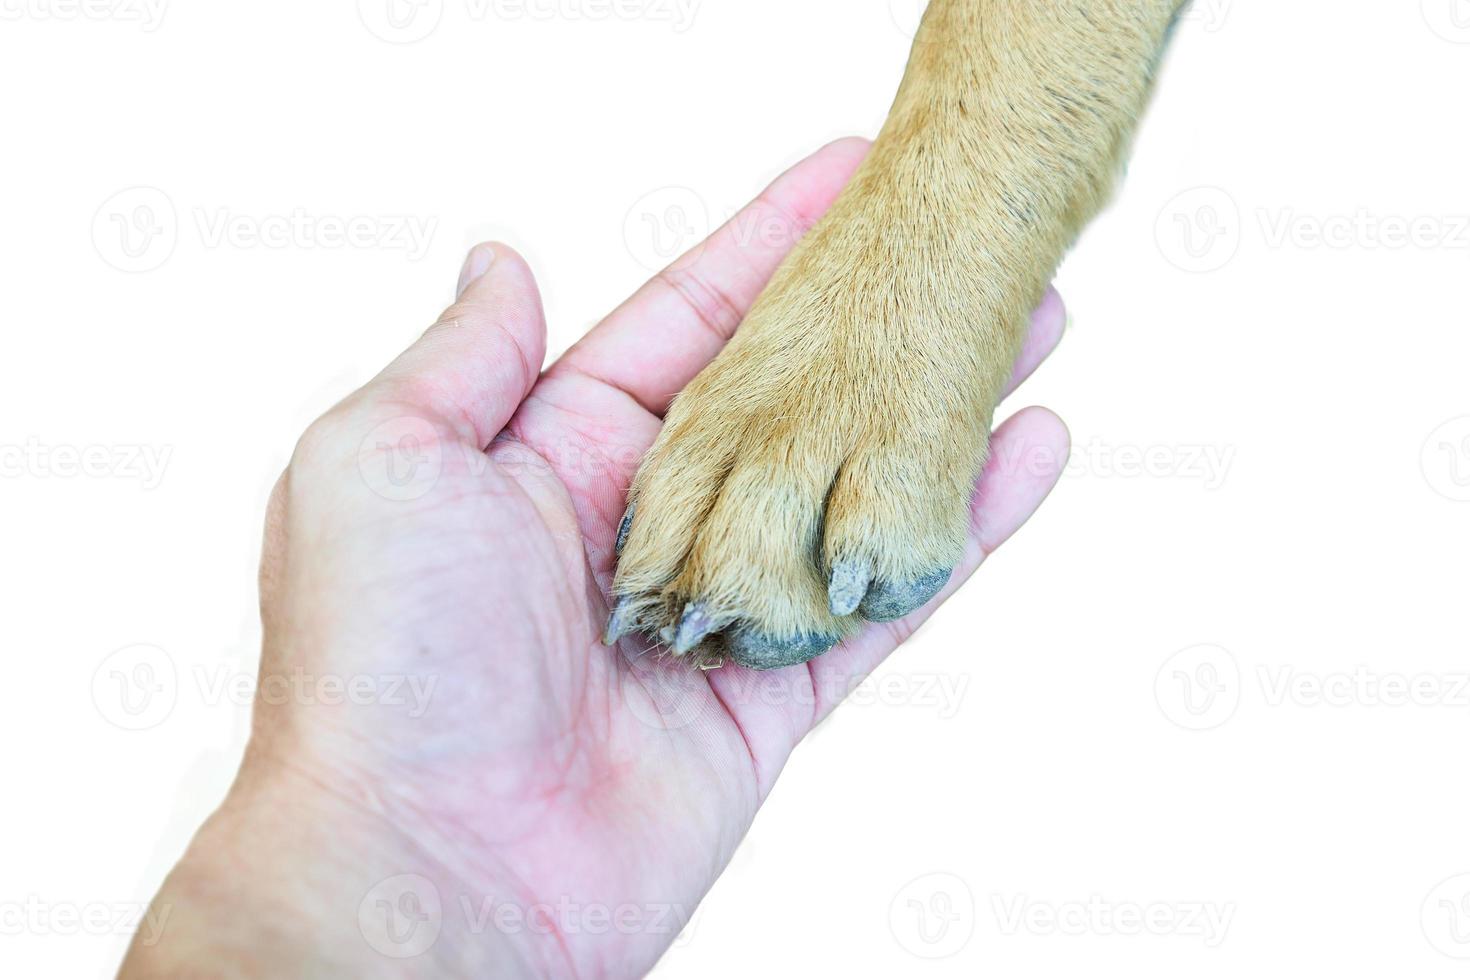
(819, 472)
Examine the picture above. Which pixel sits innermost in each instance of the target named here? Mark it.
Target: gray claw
(623, 529)
(887, 601)
(759, 651)
(848, 586)
(694, 626)
(620, 622)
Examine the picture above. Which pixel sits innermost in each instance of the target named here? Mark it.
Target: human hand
(508, 796)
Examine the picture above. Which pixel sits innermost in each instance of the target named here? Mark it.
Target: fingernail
(475, 267)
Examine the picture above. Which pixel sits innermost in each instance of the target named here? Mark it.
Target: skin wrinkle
(818, 711)
(527, 437)
(582, 371)
(794, 227)
(711, 306)
(451, 322)
(757, 778)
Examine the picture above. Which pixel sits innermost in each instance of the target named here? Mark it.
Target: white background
(1263, 533)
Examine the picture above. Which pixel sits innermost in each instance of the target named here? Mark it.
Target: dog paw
(819, 473)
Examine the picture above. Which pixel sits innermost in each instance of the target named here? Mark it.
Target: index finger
(657, 341)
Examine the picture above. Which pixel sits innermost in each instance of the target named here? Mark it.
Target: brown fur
(849, 417)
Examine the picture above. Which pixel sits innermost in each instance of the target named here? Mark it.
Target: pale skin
(544, 772)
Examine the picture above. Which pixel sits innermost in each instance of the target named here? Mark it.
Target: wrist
(287, 879)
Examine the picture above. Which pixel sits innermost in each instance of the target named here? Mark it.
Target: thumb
(476, 364)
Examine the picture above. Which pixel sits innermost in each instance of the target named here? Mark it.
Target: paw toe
(761, 651)
(888, 601)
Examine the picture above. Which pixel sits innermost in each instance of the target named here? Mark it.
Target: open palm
(554, 802)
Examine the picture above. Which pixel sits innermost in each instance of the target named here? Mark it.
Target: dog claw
(694, 626)
(848, 587)
(623, 528)
(620, 622)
